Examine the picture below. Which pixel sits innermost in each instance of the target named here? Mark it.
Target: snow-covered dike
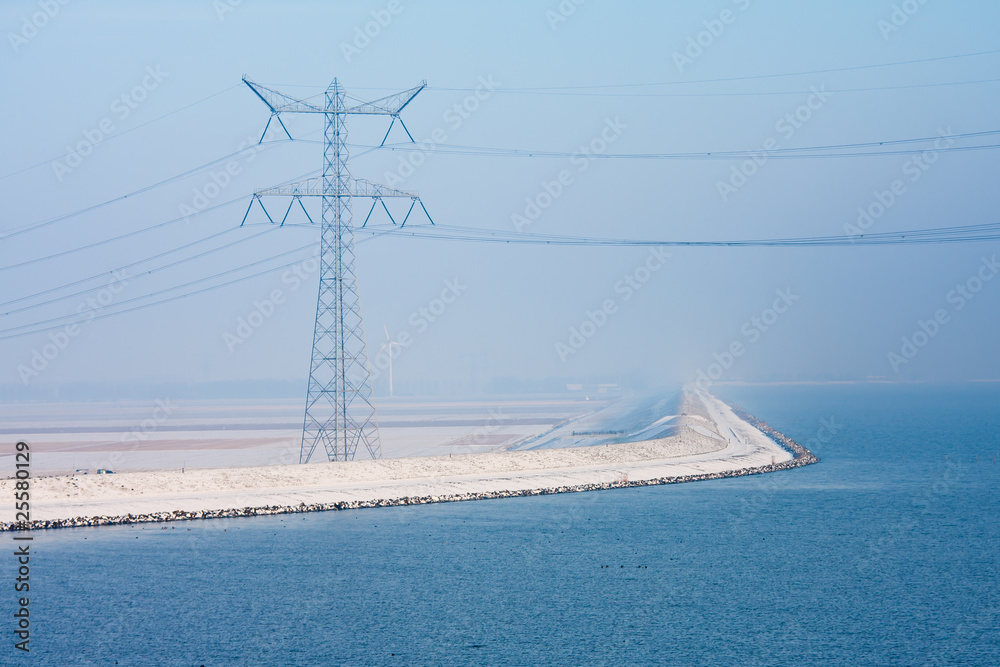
(716, 443)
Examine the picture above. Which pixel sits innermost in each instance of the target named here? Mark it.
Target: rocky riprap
(800, 457)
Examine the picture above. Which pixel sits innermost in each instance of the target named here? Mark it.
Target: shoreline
(800, 457)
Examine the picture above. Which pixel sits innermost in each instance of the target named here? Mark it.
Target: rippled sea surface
(887, 552)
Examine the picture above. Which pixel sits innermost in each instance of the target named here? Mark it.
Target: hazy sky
(115, 70)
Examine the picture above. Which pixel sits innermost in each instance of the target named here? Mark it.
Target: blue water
(864, 559)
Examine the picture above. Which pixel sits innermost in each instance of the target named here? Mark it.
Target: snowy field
(710, 438)
(168, 434)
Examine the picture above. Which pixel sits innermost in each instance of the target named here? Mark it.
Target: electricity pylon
(339, 410)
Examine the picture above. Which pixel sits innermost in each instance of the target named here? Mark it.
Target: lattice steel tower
(339, 411)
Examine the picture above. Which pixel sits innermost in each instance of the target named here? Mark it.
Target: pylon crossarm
(364, 188)
(314, 187)
(311, 187)
(389, 105)
(279, 102)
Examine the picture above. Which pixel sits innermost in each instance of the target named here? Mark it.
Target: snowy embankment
(717, 443)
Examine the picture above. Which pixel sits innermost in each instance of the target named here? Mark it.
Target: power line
(440, 232)
(158, 292)
(963, 234)
(647, 84)
(123, 132)
(887, 142)
(760, 93)
(120, 236)
(781, 153)
(121, 268)
(66, 216)
(739, 78)
(169, 299)
(778, 153)
(147, 188)
(183, 260)
(156, 303)
(453, 149)
(508, 152)
(132, 233)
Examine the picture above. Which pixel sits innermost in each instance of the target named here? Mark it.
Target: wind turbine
(389, 342)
